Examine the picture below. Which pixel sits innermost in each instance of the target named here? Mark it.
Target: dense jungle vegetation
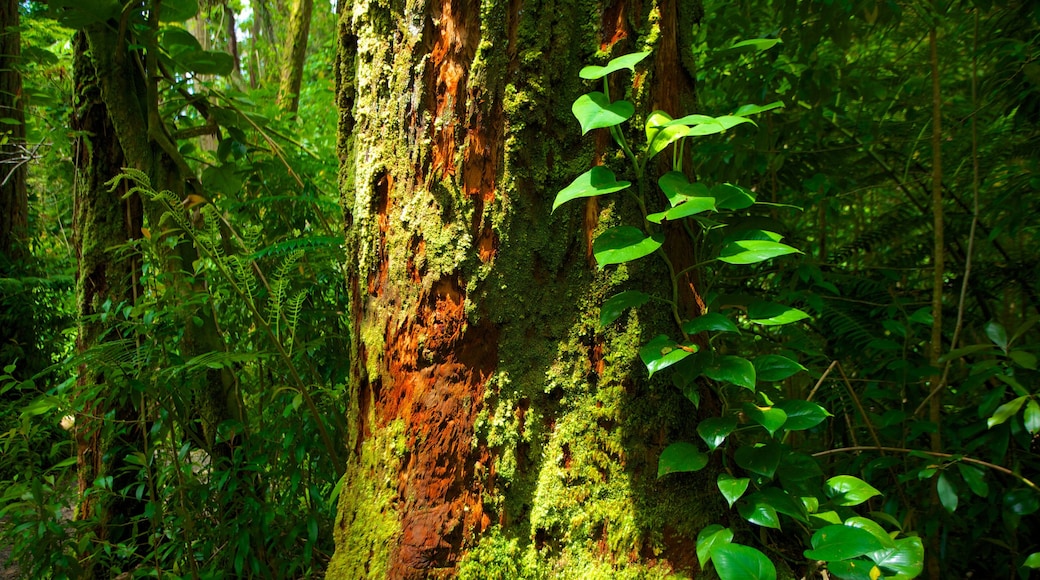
(519, 289)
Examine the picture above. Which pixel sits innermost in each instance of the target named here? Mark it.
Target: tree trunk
(14, 206)
(296, 51)
(498, 432)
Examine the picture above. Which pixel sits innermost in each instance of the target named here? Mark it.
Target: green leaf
(906, 559)
(663, 352)
(756, 109)
(761, 458)
(206, 62)
(627, 61)
(711, 321)
(710, 538)
(847, 490)
(966, 350)
(995, 331)
(743, 252)
(732, 369)
(1014, 384)
(1032, 561)
(800, 474)
(714, 430)
(838, 542)
(40, 406)
(737, 562)
(1021, 502)
(677, 188)
(178, 10)
(597, 181)
(1031, 418)
(681, 457)
(732, 487)
(759, 512)
(759, 44)
(874, 528)
(616, 305)
(856, 569)
(623, 244)
(177, 40)
(732, 197)
(782, 502)
(595, 111)
(773, 367)
(975, 478)
(772, 314)
(659, 134)
(1006, 411)
(689, 207)
(1023, 359)
(768, 417)
(802, 414)
(947, 494)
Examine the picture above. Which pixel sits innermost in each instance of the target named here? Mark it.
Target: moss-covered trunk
(498, 431)
(14, 205)
(295, 54)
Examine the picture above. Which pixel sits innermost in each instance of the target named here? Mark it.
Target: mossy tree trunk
(294, 55)
(498, 432)
(14, 205)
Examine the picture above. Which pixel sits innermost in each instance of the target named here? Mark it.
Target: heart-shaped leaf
(178, 10)
(874, 528)
(759, 512)
(660, 134)
(761, 458)
(710, 538)
(848, 490)
(622, 244)
(743, 252)
(206, 62)
(769, 417)
(738, 562)
(782, 502)
(772, 314)
(802, 414)
(627, 61)
(597, 181)
(714, 430)
(677, 188)
(800, 474)
(734, 197)
(732, 487)
(595, 111)
(837, 542)
(773, 367)
(711, 321)
(906, 559)
(663, 352)
(732, 369)
(681, 457)
(616, 305)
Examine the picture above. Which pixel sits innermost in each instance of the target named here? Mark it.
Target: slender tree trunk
(295, 56)
(498, 432)
(14, 206)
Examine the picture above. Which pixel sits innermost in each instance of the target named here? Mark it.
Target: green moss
(367, 524)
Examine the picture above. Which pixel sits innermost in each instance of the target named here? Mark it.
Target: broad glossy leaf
(848, 490)
(947, 494)
(734, 197)
(769, 417)
(906, 559)
(800, 474)
(663, 352)
(837, 542)
(677, 188)
(1026, 360)
(975, 478)
(856, 569)
(659, 134)
(738, 562)
(689, 207)
(772, 314)
(712, 321)
(995, 331)
(623, 244)
(178, 10)
(710, 538)
(1032, 561)
(874, 528)
(206, 62)
(732, 369)
(759, 44)
(702, 129)
(1021, 502)
(802, 414)
(596, 111)
(616, 305)
(743, 252)
(177, 40)
(1031, 417)
(756, 109)
(732, 487)
(77, 14)
(627, 61)
(774, 367)
(1006, 411)
(597, 181)
(689, 120)
(757, 511)
(714, 430)
(761, 458)
(681, 457)
(782, 502)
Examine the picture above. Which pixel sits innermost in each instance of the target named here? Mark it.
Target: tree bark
(497, 431)
(296, 50)
(14, 205)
